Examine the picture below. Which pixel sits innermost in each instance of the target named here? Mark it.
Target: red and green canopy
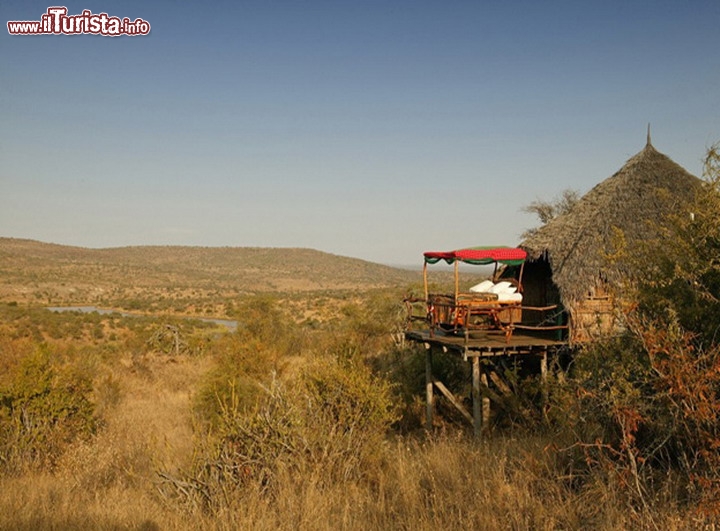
(479, 256)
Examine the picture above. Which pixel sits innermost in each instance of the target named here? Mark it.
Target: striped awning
(479, 255)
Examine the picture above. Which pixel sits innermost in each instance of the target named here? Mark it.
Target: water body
(227, 323)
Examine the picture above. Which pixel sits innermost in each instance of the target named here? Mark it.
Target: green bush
(242, 363)
(329, 425)
(44, 405)
(682, 271)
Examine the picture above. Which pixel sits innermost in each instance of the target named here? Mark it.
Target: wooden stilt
(502, 386)
(485, 405)
(453, 400)
(428, 390)
(476, 399)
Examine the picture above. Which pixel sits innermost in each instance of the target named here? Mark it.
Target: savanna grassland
(182, 280)
(308, 416)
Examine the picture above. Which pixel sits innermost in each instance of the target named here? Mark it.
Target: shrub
(241, 364)
(643, 408)
(44, 405)
(329, 427)
(682, 271)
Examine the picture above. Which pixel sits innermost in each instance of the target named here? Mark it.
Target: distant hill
(30, 268)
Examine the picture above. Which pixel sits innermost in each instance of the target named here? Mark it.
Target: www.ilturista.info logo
(57, 22)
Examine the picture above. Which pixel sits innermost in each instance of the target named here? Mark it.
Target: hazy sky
(373, 129)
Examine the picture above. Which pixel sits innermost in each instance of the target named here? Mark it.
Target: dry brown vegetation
(308, 417)
(189, 280)
(284, 425)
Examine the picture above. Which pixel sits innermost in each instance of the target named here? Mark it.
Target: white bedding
(503, 287)
(483, 287)
(510, 297)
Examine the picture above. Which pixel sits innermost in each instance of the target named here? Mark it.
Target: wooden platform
(486, 343)
(478, 348)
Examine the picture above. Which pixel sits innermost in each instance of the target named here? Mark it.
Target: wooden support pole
(485, 405)
(428, 390)
(457, 279)
(502, 386)
(476, 404)
(454, 401)
(507, 401)
(425, 280)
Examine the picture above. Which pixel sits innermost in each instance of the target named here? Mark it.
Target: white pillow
(510, 289)
(501, 287)
(510, 297)
(483, 287)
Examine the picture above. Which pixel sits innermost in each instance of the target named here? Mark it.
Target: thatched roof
(631, 205)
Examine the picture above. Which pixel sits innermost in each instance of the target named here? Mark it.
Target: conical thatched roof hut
(576, 260)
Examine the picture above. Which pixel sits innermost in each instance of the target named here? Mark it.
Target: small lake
(227, 323)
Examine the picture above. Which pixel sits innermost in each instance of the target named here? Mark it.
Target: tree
(682, 272)
(546, 211)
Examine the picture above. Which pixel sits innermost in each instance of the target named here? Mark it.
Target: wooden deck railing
(477, 311)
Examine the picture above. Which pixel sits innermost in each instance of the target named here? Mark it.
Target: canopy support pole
(457, 278)
(425, 279)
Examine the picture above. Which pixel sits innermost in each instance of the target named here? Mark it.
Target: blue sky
(370, 129)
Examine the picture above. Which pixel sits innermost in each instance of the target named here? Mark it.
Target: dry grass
(445, 482)
(108, 482)
(414, 481)
(423, 486)
(442, 483)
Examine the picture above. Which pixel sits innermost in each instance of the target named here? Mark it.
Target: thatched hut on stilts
(580, 266)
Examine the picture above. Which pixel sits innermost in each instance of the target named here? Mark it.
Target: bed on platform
(495, 304)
